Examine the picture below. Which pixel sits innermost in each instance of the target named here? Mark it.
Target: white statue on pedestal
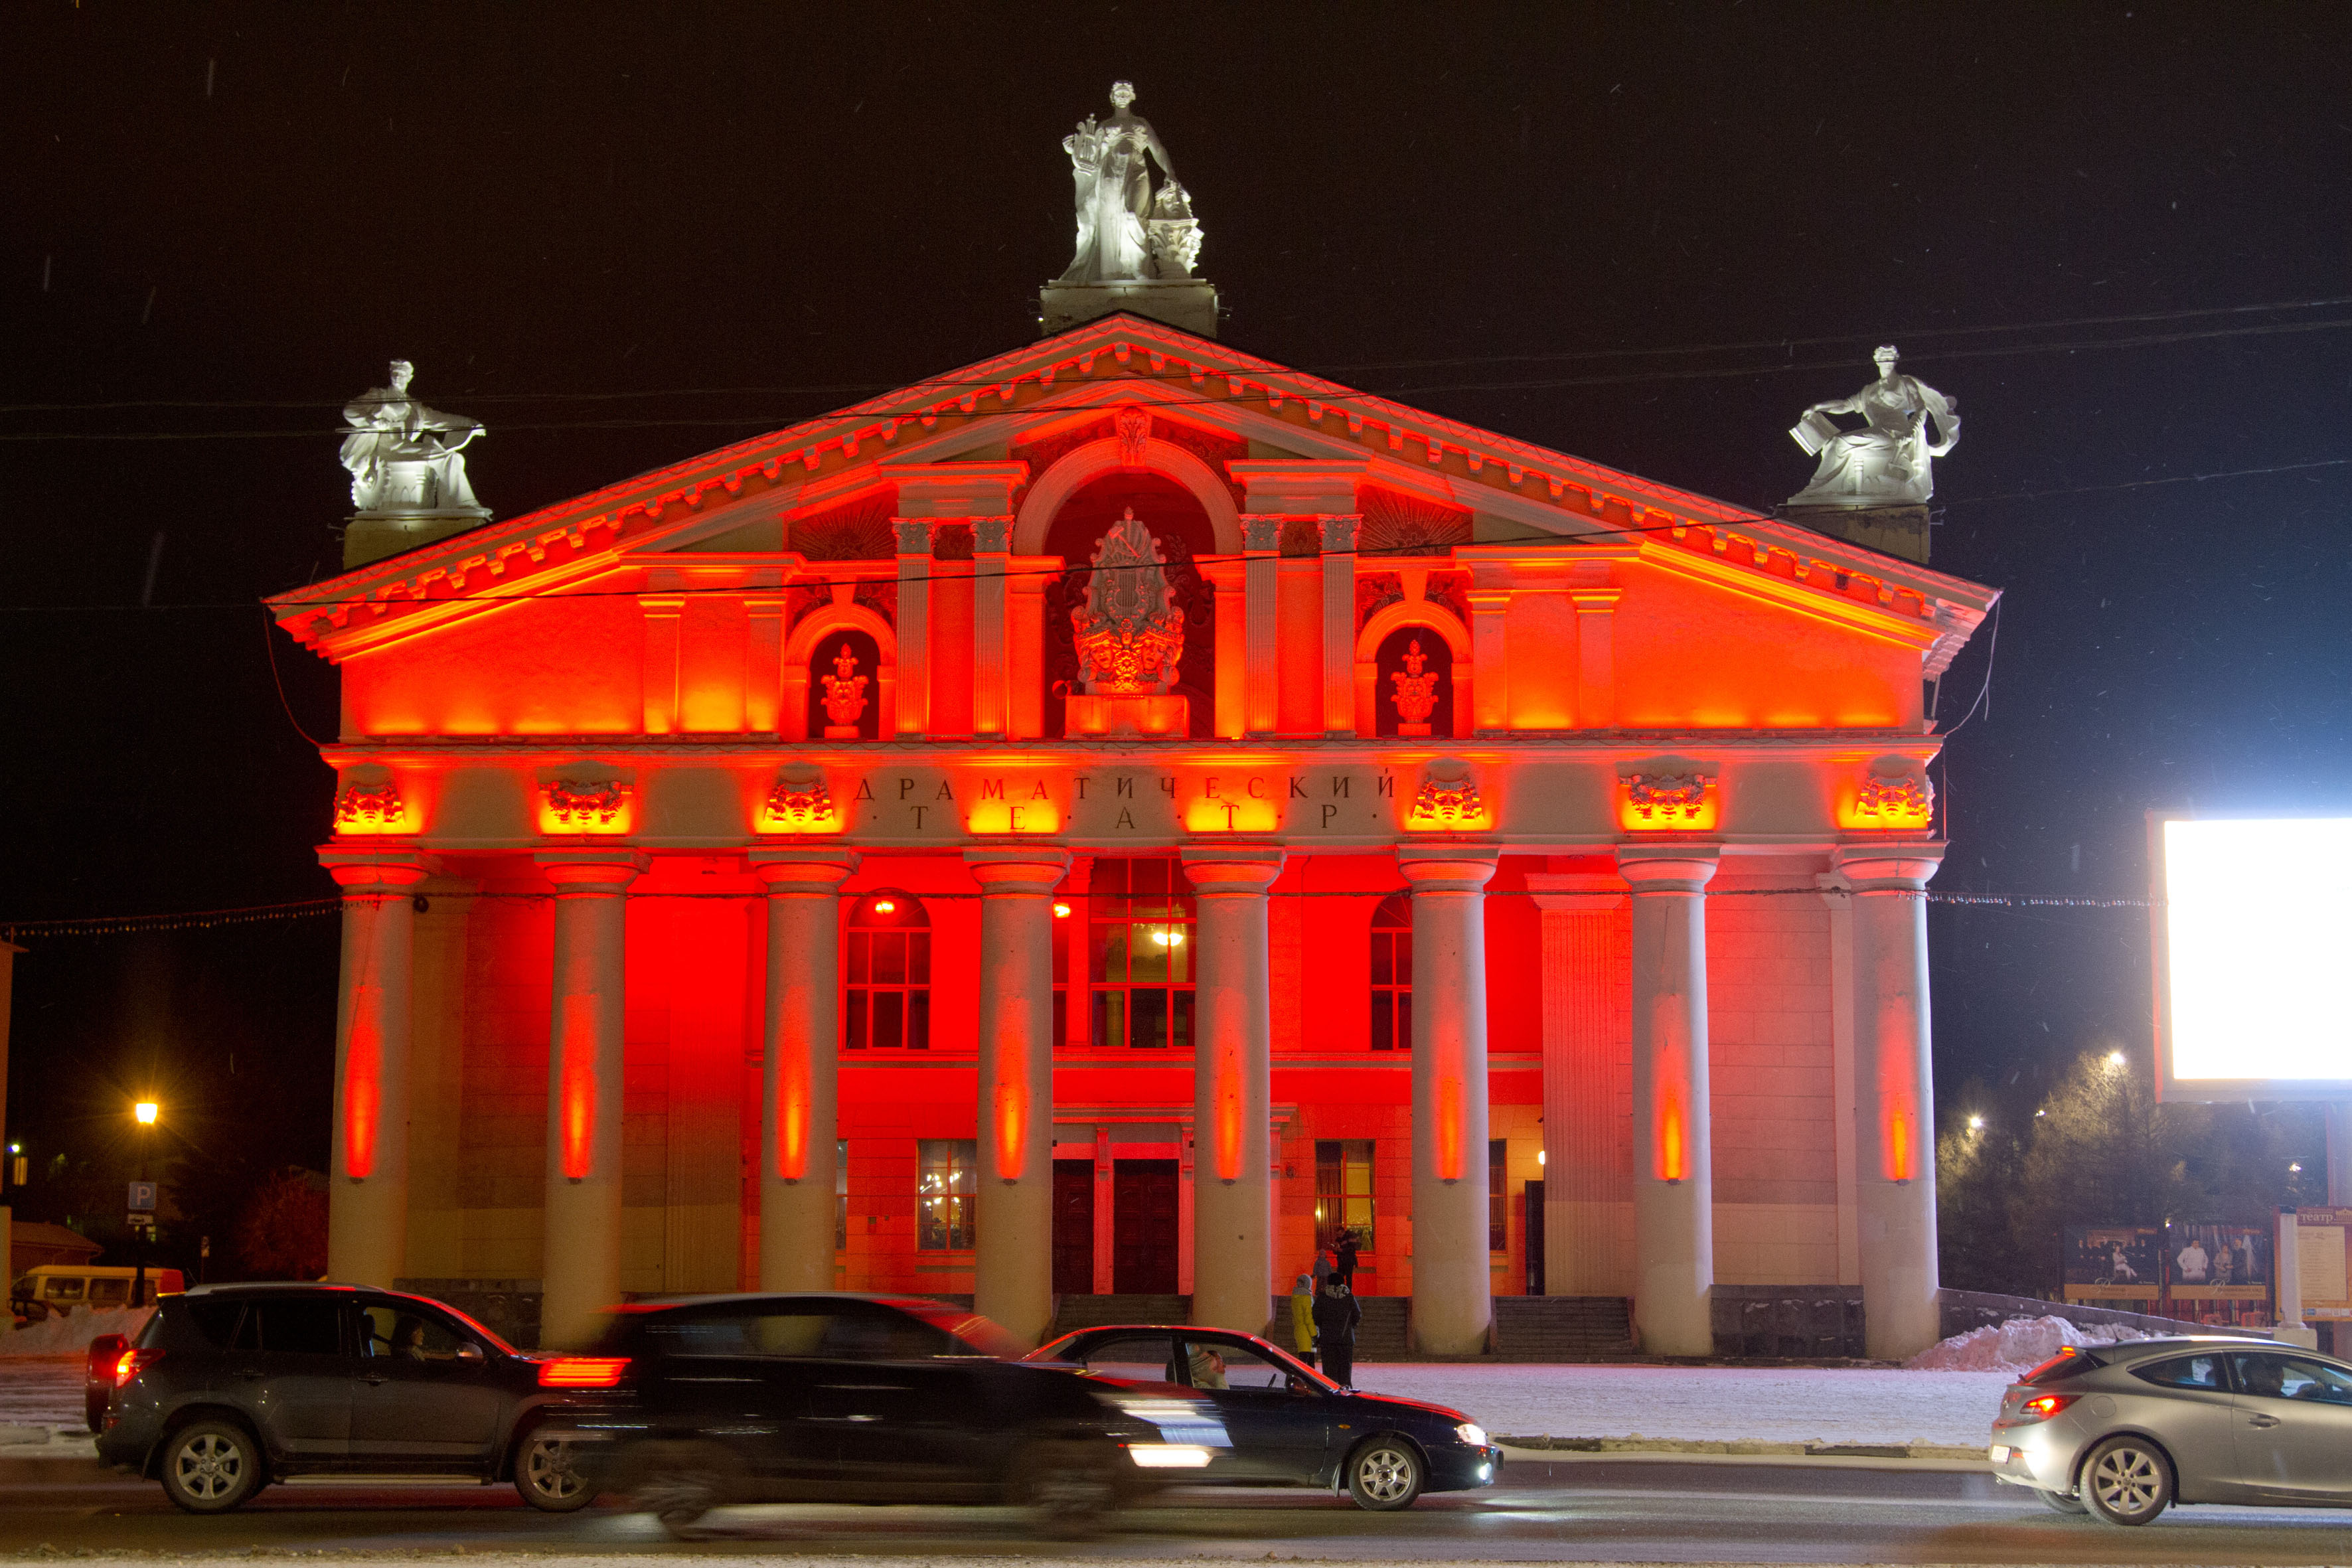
(1888, 462)
(404, 457)
(1127, 233)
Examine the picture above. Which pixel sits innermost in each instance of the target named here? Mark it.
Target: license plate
(1998, 1453)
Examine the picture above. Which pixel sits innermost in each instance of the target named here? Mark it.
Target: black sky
(1499, 213)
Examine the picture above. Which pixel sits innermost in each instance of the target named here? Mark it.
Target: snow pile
(2017, 1345)
(70, 1335)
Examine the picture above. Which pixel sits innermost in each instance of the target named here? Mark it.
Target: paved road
(1590, 1511)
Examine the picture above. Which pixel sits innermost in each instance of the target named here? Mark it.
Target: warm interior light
(146, 1111)
(1539, 1156)
(1169, 938)
(582, 1372)
(1061, 911)
(885, 907)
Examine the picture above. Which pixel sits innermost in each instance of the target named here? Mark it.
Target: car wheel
(2059, 1502)
(210, 1467)
(1384, 1475)
(547, 1478)
(679, 1485)
(2126, 1480)
(1069, 1486)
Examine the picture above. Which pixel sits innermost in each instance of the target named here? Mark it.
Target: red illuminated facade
(785, 870)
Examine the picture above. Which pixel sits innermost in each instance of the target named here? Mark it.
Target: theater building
(1100, 820)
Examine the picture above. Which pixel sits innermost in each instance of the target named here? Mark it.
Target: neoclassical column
(1584, 1176)
(1895, 1094)
(991, 575)
(1453, 1294)
(912, 624)
(1012, 1280)
(800, 1063)
(580, 1272)
(367, 1195)
(1233, 1027)
(1261, 614)
(1674, 1183)
(1340, 534)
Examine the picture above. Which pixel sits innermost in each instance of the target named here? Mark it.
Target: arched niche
(807, 642)
(1417, 615)
(1186, 531)
(1082, 464)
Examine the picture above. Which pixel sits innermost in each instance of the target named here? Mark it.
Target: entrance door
(1074, 1227)
(1535, 1239)
(1143, 1212)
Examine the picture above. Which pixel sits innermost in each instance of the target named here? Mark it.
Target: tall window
(1498, 1196)
(886, 1001)
(949, 1202)
(840, 1194)
(1392, 974)
(1343, 1190)
(1139, 955)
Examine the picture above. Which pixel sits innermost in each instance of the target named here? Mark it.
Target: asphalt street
(1608, 1512)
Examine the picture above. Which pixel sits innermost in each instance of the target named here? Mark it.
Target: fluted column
(991, 570)
(1674, 1183)
(367, 1195)
(1895, 1094)
(1232, 1189)
(913, 624)
(580, 1272)
(1261, 614)
(799, 1065)
(1584, 1169)
(1340, 623)
(1012, 1280)
(1453, 1293)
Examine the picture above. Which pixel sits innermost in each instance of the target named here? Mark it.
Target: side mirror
(468, 1351)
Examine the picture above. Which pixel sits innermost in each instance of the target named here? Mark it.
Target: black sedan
(1287, 1423)
(229, 1388)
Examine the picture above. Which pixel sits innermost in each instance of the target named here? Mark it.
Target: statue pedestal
(1189, 304)
(371, 536)
(1170, 715)
(1896, 530)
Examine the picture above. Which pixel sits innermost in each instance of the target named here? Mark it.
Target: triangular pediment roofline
(1524, 495)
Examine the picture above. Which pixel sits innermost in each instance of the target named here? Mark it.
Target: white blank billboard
(2253, 949)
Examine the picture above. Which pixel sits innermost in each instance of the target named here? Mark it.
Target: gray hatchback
(2124, 1431)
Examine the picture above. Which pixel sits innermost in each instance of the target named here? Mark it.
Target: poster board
(2122, 1264)
(2320, 1269)
(2217, 1274)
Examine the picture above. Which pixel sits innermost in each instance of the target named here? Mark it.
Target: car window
(215, 1318)
(2267, 1376)
(1220, 1363)
(108, 1292)
(2184, 1372)
(867, 1332)
(297, 1325)
(390, 1332)
(737, 1333)
(62, 1288)
(1147, 1358)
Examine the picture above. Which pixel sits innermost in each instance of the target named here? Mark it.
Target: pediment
(1432, 475)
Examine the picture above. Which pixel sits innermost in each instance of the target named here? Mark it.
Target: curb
(1538, 1446)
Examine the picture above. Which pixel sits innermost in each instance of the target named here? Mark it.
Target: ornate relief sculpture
(403, 456)
(1130, 634)
(844, 697)
(798, 804)
(368, 809)
(1126, 231)
(1887, 462)
(1898, 799)
(1668, 797)
(578, 805)
(1416, 693)
(1452, 802)
(1133, 424)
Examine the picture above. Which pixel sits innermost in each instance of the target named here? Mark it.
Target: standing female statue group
(1128, 232)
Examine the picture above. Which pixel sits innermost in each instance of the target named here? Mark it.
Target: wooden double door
(1144, 1227)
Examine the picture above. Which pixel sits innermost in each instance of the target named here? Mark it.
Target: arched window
(1392, 974)
(1140, 954)
(1412, 683)
(885, 1002)
(845, 691)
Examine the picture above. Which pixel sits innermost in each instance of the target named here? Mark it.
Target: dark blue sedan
(1289, 1424)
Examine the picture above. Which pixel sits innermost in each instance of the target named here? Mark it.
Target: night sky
(1646, 235)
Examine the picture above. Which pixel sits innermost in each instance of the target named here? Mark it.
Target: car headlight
(1470, 1432)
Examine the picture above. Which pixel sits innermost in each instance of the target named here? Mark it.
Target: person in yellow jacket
(1302, 1318)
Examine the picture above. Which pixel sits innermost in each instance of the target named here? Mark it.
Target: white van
(56, 1288)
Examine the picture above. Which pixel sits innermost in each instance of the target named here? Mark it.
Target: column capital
(913, 534)
(592, 871)
(1017, 871)
(1227, 871)
(1261, 533)
(1889, 868)
(1447, 868)
(803, 870)
(1580, 892)
(1668, 868)
(367, 869)
(1339, 530)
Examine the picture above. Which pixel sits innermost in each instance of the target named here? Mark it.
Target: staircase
(1072, 1313)
(1382, 1336)
(1561, 1328)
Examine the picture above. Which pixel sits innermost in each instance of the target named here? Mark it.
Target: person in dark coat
(1336, 1316)
(1344, 1251)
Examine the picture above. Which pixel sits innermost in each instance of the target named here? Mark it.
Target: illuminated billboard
(2253, 938)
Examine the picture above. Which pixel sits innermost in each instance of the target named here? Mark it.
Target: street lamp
(144, 1112)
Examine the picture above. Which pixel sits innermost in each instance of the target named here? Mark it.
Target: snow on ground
(71, 1334)
(1710, 1403)
(36, 1392)
(2017, 1345)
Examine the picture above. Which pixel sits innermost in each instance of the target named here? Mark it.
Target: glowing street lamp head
(1975, 1123)
(146, 1111)
(2115, 1059)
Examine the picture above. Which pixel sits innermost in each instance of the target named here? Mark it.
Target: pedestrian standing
(1302, 1318)
(1344, 1252)
(1336, 1316)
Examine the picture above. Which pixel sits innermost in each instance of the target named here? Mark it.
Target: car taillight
(2065, 1353)
(2042, 1407)
(582, 1372)
(131, 1363)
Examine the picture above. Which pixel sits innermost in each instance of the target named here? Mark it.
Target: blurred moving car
(2124, 1431)
(229, 1387)
(1289, 1425)
(848, 1398)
